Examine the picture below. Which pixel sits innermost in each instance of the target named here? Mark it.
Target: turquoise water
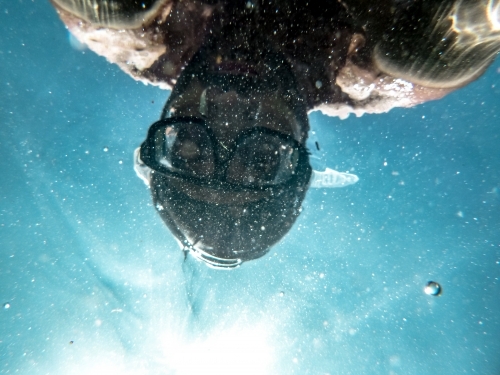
(92, 282)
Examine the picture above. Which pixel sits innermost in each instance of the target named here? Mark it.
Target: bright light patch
(234, 351)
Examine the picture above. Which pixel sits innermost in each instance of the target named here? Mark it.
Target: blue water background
(96, 284)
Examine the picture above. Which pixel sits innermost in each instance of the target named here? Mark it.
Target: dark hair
(234, 227)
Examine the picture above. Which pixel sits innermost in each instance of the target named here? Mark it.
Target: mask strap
(141, 170)
(330, 178)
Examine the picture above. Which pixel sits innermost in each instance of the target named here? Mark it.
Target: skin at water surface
(355, 58)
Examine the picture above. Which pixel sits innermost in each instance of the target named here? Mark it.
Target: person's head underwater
(229, 167)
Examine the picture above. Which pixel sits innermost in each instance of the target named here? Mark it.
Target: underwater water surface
(92, 282)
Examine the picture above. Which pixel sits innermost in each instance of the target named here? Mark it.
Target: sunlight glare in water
(232, 351)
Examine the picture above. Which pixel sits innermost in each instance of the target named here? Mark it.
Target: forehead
(271, 110)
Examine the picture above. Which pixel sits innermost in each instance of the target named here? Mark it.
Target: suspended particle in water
(433, 289)
(6, 306)
(71, 342)
(105, 149)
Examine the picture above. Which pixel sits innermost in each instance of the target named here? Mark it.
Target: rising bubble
(433, 288)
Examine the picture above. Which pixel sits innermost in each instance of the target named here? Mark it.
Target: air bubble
(433, 289)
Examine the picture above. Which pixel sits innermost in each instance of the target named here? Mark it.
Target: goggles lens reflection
(188, 147)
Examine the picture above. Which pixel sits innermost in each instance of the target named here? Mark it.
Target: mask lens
(262, 159)
(185, 148)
